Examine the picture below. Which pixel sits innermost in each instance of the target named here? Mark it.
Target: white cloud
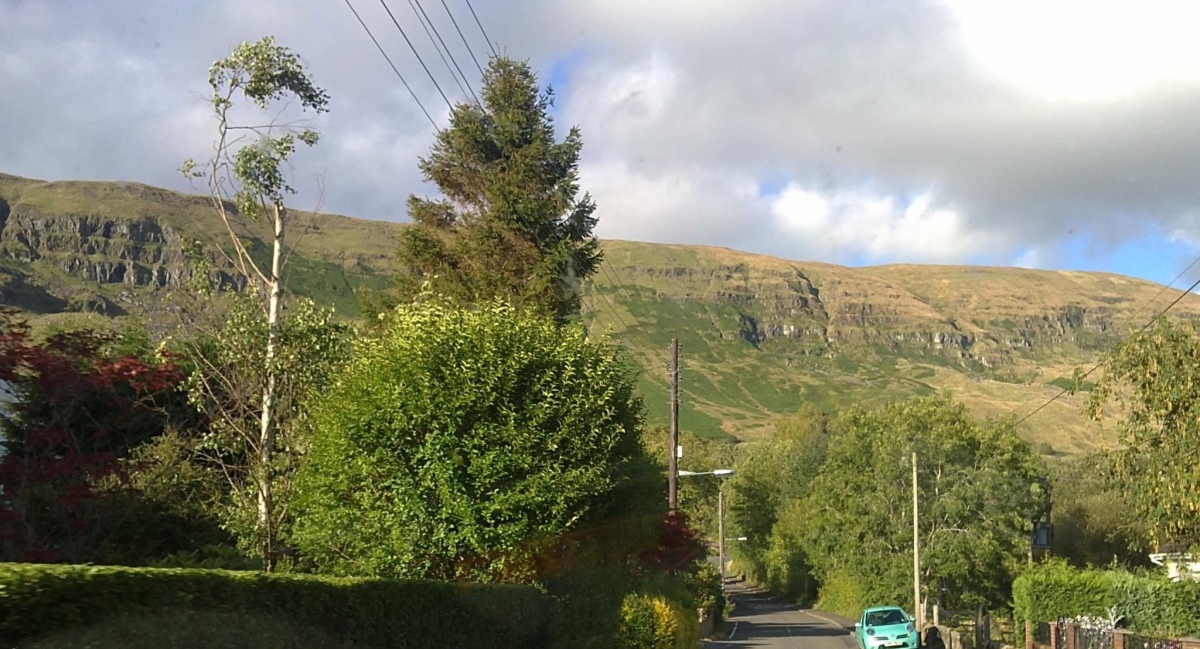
(679, 206)
(1081, 50)
(1031, 258)
(880, 227)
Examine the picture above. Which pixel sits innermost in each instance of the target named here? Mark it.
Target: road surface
(766, 622)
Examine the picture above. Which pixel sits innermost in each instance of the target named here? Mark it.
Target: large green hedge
(1149, 603)
(41, 605)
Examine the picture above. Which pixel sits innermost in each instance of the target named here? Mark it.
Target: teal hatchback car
(886, 627)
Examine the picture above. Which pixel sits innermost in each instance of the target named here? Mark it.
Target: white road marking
(822, 617)
(733, 631)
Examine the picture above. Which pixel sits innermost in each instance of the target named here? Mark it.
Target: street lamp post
(721, 533)
(718, 473)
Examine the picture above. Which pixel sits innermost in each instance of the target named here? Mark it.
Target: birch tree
(1153, 378)
(247, 182)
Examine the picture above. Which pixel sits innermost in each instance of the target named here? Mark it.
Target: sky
(1051, 134)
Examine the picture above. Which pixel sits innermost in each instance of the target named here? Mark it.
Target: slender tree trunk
(266, 445)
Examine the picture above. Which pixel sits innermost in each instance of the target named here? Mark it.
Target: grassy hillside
(760, 336)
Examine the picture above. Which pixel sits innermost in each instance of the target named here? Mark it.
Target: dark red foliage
(678, 546)
(79, 410)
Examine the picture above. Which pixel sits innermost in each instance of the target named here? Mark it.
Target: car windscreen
(885, 618)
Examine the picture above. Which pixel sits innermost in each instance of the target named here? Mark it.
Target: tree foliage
(1155, 376)
(977, 496)
(509, 223)
(251, 176)
(828, 504)
(772, 478)
(1091, 522)
(81, 407)
(487, 445)
(697, 495)
(228, 371)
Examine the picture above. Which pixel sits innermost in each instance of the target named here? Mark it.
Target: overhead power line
(393, 66)
(427, 23)
(612, 308)
(460, 35)
(1139, 331)
(622, 285)
(481, 31)
(415, 53)
(1165, 287)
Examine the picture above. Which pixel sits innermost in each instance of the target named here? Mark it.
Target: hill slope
(760, 336)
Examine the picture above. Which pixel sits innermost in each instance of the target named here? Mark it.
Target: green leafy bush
(480, 445)
(661, 614)
(1148, 603)
(704, 584)
(842, 592)
(1053, 589)
(42, 604)
(614, 608)
(655, 622)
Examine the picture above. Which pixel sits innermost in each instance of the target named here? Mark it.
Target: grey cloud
(837, 95)
(846, 93)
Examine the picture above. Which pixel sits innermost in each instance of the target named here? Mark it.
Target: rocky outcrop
(784, 309)
(138, 253)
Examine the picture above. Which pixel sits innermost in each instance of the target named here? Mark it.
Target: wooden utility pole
(673, 435)
(721, 531)
(916, 552)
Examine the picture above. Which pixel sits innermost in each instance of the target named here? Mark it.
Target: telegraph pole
(673, 436)
(916, 552)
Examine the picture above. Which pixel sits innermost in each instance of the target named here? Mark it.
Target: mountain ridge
(760, 335)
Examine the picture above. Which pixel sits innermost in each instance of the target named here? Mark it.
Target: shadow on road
(762, 620)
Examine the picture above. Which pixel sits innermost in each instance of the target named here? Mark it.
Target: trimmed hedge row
(298, 610)
(53, 606)
(1149, 603)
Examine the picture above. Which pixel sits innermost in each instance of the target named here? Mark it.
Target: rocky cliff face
(980, 320)
(117, 247)
(111, 253)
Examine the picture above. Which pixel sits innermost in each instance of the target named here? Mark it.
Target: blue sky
(845, 131)
(1153, 256)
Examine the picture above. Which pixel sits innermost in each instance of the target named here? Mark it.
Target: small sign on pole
(1043, 535)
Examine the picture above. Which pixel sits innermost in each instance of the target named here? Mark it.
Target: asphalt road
(763, 621)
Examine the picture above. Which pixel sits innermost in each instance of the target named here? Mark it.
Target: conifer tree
(509, 223)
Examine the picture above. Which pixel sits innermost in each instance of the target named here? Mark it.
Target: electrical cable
(481, 31)
(415, 53)
(393, 65)
(427, 23)
(460, 35)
